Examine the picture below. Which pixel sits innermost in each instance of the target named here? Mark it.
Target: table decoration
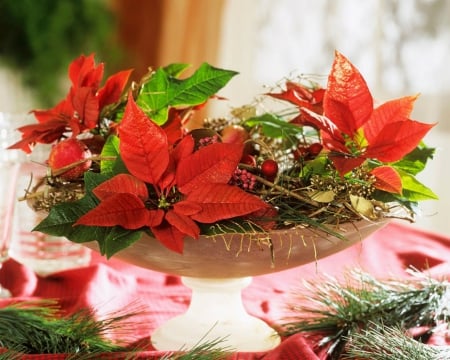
(130, 170)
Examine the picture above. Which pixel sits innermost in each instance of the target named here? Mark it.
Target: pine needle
(39, 328)
(210, 350)
(382, 343)
(338, 312)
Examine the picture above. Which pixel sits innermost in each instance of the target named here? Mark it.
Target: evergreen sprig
(39, 328)
(209, 350)
(337, 312)
(379, 342)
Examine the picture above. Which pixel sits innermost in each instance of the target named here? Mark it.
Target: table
(111, 285)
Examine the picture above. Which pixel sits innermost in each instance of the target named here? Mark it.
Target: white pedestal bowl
(218, 268)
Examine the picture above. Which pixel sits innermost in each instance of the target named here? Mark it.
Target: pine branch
(211, 350)
(381, 343)
(337, 312)
(39, 328)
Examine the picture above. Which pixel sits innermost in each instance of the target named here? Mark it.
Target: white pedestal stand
(216, 312)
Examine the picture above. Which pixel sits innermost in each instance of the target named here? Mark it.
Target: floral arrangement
(126, 159)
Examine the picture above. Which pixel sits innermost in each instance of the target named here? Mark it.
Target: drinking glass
(9, 172)
(42, 253)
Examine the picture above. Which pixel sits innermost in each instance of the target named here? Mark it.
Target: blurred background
(401, 48)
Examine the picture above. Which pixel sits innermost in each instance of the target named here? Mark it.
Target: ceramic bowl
(241, 255)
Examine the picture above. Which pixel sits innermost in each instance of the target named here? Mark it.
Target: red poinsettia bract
(169, 189)
(302, 96)
(354, 131)
(79, 111)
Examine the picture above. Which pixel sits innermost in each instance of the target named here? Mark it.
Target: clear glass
(9, 173)
(42, 253)
(39, 252)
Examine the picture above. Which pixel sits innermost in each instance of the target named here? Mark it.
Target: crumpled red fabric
(111, 286)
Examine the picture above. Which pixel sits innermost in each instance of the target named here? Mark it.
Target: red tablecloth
(112, 285)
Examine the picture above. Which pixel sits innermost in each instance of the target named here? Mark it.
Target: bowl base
(216, 315)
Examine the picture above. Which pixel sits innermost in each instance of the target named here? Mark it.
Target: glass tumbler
(9, 173)
(42, 253)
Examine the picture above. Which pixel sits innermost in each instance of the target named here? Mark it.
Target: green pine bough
(365, 318)
(391, 343)
(38, 327)
(339, 313)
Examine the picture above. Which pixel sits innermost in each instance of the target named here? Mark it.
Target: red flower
(80, 111)
(309, 97)
(353, 131)
(169, 190)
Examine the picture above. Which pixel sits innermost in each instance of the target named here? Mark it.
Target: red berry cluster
(244, 179)
(208, 140)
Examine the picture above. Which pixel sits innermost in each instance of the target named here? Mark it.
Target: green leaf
(164, 90)
(416, 160)
(110, 149)
(61, 218)
(317, 166)
(176, 69)
(414, 190)
(117, 239)
(274, 126)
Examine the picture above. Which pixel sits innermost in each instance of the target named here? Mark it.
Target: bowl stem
(216, 312)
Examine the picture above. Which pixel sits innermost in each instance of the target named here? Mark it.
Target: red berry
(269, 169)
(301, 152)
(68, 152)
(234, 134)
(314, 149)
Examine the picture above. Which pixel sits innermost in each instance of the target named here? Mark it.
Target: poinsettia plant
(126, 159)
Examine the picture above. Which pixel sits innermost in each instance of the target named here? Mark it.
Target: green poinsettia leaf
(164, 90)
(110, 150)
(176, 69)
(317, 166)
(416, 160)
(117, 239)
(274, 127)
(414, 190)
(62, 217)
